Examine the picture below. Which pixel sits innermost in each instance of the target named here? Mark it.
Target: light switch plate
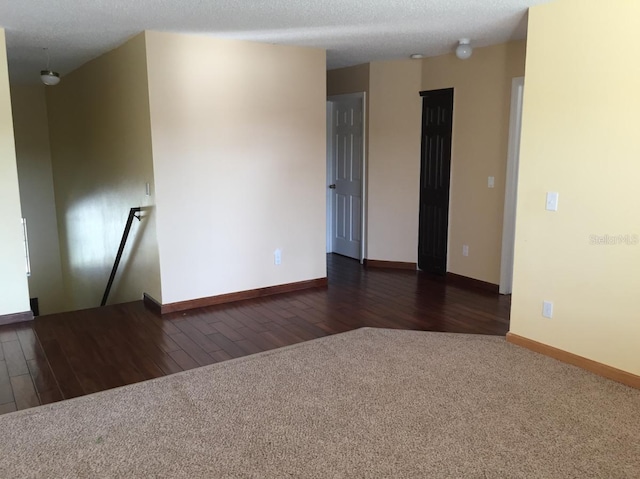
(552, 201)
(492, 182)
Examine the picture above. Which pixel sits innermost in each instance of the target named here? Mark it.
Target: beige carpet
(368, 403)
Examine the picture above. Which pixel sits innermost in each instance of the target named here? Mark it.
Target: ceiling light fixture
(464, 50)
(48, 76)
(416, 56)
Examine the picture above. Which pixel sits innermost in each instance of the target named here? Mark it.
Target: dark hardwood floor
(71, 354)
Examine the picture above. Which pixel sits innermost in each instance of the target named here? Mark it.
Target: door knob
(333, 187)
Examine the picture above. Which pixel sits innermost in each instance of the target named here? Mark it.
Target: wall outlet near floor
(547, 309)
(465, 250)
(277, 257)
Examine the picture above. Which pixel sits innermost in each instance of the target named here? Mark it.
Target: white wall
(239, 145)
(14, 290)
(37, 196)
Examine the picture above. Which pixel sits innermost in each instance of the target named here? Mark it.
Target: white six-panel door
(346, 179)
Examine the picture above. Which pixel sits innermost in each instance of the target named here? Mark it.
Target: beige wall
(14, 291)
(239, 140)
(482, 97)
(480, 138)
(348, 80)
(580, 138)
(37, 197)
(102, 158)
(394, 161)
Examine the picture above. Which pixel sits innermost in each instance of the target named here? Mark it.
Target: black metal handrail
(123, 242)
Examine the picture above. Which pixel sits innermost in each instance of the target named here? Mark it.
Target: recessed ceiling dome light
(416, 56)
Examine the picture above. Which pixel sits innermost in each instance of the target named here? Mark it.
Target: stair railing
(133, 213)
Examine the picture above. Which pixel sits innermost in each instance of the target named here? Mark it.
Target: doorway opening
(346, 173)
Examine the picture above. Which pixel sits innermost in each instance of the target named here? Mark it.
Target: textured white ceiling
(352, 31)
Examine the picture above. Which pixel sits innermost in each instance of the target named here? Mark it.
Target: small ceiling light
(464, 49)
(48, 76)
(416, 56)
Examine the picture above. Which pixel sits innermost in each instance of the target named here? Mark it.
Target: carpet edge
(228, 362)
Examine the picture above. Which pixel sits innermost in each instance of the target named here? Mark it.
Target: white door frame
(330, 162)
(511, 186)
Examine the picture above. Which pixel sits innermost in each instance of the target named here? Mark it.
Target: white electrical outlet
(277, 257)
(465, 250)
(492, 182)
(547, 309)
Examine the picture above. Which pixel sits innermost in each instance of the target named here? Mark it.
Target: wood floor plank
(7, 333)
(6, 389)
(283, 312)
(247, 321)
(227, 331)
(265, 344)
(296, 327)
(28, 341)
(227, 345)
(281, 339)
(7, 408)
(268, 312)
(220, 356)
(65, 376)
(148, 368)
(14, 357)
(42, 375)
(48, 397)
(82, 354)
(24, 392)
(183, 359)
(248, 346)
(201, 326)
(167, 364)
(311, 328)
(167, 344)
(193, 350)
(164, 325)
(196, 336)
(129, 374)
(226, 318)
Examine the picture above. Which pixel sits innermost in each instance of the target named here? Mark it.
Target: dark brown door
(437, 121)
